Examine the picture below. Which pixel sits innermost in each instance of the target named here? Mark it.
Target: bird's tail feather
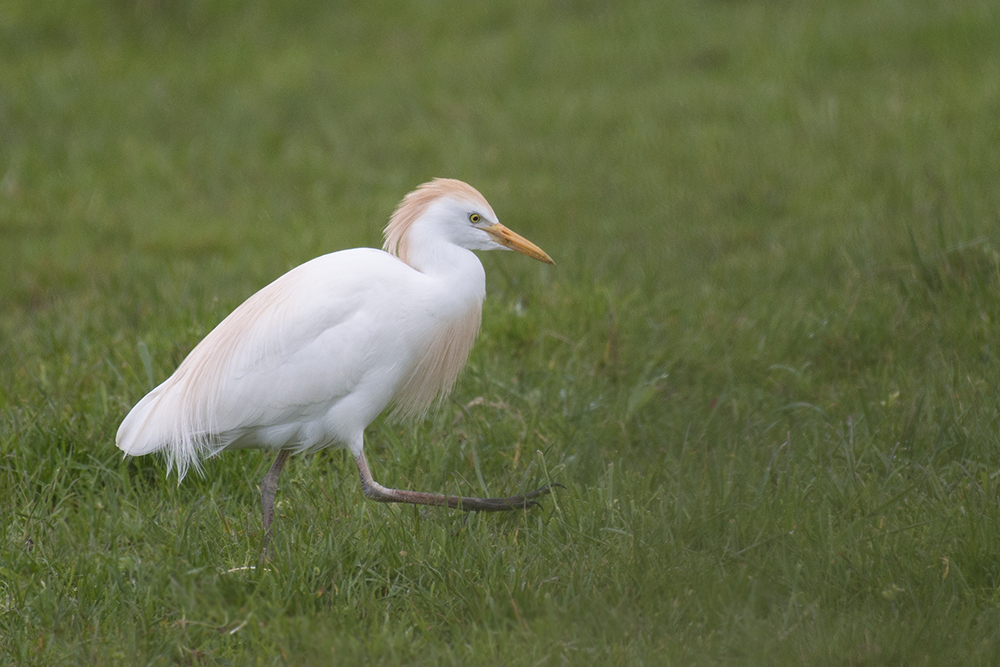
(153, 426)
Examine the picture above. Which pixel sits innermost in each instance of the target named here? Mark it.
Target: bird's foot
(525, 501)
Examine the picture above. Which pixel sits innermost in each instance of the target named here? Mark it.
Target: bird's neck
(444, 260)
(428, 250)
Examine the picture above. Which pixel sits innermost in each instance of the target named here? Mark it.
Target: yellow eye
(474, 218)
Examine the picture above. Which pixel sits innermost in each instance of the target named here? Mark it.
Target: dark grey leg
(268, 487)
(375, 491)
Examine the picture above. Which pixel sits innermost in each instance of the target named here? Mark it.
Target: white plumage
(313, 358)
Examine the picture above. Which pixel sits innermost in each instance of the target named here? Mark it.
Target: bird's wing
(279, 361)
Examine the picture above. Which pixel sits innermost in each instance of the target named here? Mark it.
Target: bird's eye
(474, 218)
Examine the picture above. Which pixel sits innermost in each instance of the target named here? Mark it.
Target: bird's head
(452, 211)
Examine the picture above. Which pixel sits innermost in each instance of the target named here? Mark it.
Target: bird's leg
(375, 491)
(268, 487)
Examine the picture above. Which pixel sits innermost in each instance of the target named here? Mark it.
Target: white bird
(312, 359)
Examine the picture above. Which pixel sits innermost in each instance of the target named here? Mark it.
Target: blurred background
(679, 133)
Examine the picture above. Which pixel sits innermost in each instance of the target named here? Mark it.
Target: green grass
(765, 367)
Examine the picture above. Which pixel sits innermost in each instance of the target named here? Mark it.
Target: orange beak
(509, 239)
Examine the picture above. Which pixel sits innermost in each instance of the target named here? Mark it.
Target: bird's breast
(447, 336)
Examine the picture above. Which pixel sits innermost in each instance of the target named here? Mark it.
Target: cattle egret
(312, 359)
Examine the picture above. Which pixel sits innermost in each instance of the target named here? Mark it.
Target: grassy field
(765, 367)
